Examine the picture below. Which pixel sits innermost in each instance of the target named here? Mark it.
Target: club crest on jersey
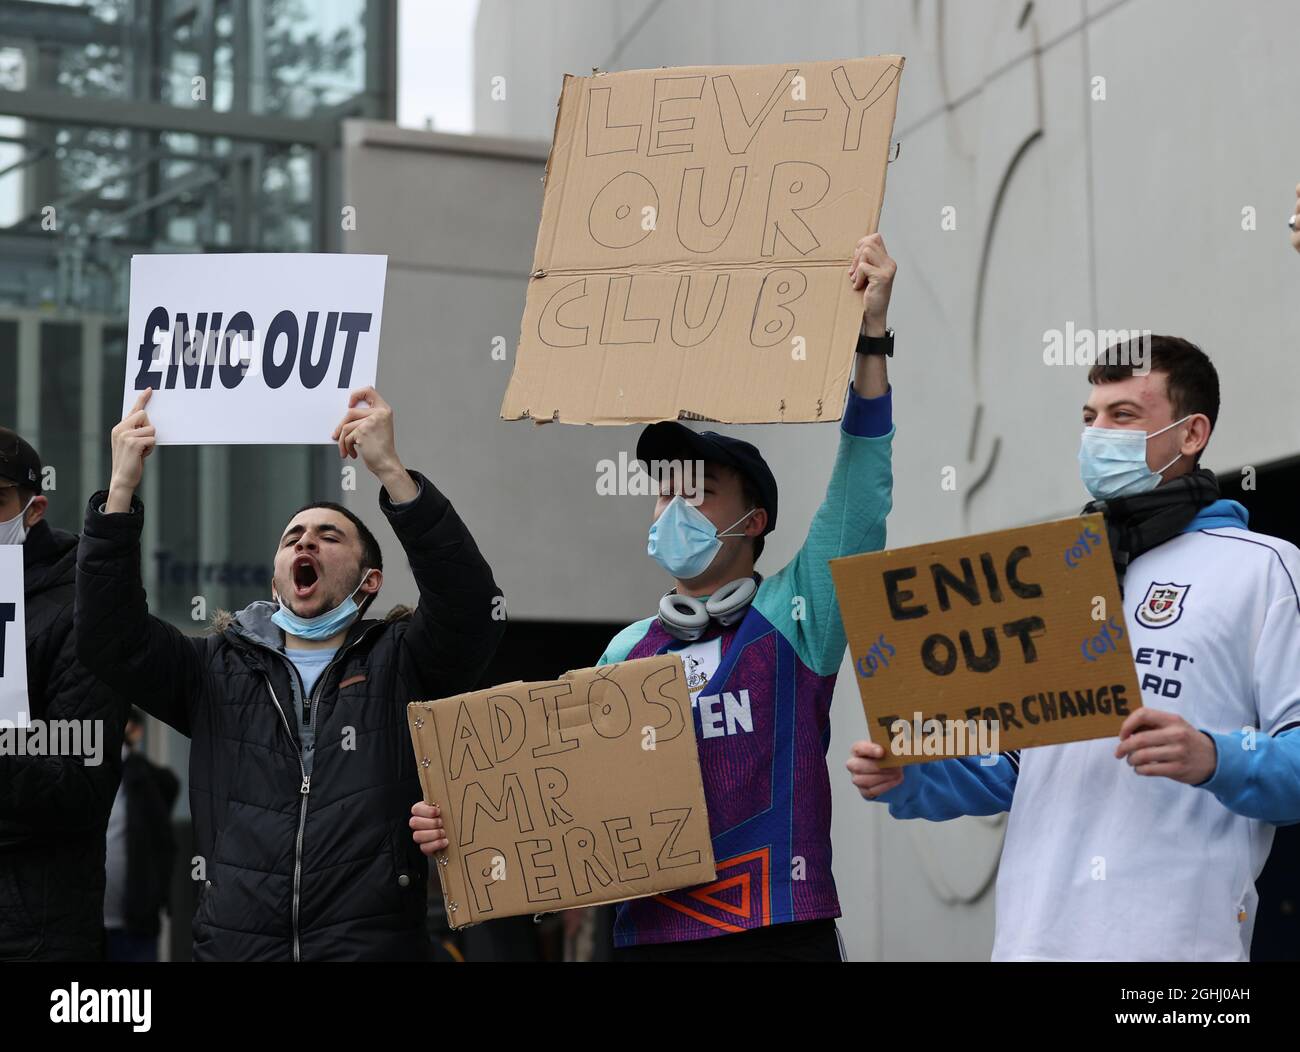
(696, 677)
(1163, 604)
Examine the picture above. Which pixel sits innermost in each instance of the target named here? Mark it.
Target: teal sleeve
(850, 520)
(621, 645)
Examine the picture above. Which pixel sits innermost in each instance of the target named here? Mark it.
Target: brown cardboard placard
(1021, 631)
(573, 792)
(697, 227)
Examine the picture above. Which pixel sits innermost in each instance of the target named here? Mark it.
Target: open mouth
(305, 576)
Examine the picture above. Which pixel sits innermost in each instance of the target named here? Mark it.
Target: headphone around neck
(686, 618)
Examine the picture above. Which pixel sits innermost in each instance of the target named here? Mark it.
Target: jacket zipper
(305, 788)
(305, 791)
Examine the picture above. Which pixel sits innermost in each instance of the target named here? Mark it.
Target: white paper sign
(252, 347)
(13, 637)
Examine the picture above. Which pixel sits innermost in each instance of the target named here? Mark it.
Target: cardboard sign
(570, 793)
(13, 638)
(696, 232)
(252, 348)
(1018, 634)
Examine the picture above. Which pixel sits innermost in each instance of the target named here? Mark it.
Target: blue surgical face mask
(1113, 461)
(322, 626)
(683, 541)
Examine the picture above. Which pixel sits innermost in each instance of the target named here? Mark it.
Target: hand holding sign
(427, 828)
(693, 228)
(988, 643)
(873, 271)
(252, 347)
(871, 779)
(564, 793)
(133, 439)
(1166, 745)
(367, 429)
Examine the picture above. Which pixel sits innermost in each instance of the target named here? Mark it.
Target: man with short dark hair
(1149, 848)
(53, 808)
(301, 766)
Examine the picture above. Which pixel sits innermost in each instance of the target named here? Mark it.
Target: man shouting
(301, 767)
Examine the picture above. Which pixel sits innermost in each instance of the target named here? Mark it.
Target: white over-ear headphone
(686, 618)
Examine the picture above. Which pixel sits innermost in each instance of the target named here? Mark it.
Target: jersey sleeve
(1257, 772)
(944, 789)
(850, 520)
(1277, 652)
(621, 645)
(1258, 776)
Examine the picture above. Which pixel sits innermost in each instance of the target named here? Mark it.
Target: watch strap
(876, 344)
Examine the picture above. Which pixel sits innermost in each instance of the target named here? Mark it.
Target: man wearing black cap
(761, 656)
(53, 808)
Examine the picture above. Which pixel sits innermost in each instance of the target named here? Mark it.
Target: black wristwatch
(876, 344)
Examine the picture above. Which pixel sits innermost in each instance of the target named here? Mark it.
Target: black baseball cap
(18, 460)
(669, 440)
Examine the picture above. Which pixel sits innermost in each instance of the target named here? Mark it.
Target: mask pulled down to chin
(322, 626)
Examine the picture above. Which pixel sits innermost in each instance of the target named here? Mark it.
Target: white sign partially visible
(13, 637)
(252, 347)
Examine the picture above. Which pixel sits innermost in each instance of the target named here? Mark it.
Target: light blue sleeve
(1258, 774)
(944, 789)
(621, 645)
(1259, 777)
(850, 520)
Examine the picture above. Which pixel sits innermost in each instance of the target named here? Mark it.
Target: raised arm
(151, 663)
(460, 617)
(800, 599)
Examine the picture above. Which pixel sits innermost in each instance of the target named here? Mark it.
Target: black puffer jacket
(150, 793)
(54, 809)
(319, 868)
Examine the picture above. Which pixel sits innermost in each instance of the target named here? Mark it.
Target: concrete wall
(1117, 213)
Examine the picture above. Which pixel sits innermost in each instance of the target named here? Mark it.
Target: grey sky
(435, 48)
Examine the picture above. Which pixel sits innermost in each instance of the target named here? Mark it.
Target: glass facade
(291, 57)
(214, 512)
(173, 125)
(138, 126)
(154, 126)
